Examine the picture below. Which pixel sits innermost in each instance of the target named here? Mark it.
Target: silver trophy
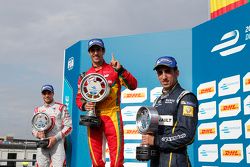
(41, 122)
(147, 120)
(94, 88)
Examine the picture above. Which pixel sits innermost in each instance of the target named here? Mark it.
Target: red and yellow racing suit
(110, 115)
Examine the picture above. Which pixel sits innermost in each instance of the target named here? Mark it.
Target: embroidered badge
(188, 111)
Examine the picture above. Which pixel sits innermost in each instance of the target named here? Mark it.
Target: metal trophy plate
(147, 120)
(42, 122)
(94, 88)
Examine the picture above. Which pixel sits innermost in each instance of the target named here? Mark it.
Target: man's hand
(52, 141)
(89, 106)
(115, 63)
(41, 134)
(148, 139)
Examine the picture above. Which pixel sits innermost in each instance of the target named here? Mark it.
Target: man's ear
(177, 73)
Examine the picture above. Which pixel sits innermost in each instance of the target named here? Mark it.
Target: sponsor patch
(166, 120)
(173, 138)
(188, 111)
(188, 103)
(169, 101)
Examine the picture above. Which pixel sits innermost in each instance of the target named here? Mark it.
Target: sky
(34, 35)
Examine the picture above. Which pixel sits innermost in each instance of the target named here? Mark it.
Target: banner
(221, 71)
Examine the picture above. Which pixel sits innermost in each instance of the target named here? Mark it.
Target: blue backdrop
(221, 66)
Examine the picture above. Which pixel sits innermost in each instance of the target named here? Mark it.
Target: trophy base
(43, 143)
(146, 152)
(91, 121)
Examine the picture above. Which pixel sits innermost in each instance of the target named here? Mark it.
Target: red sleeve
(127, 79)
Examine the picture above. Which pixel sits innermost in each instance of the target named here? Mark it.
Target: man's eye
(159, 72)
(167, 71)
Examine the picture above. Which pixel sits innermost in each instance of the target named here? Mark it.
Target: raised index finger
(113, 57)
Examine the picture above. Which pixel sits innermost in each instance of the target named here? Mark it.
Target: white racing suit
(61, 127)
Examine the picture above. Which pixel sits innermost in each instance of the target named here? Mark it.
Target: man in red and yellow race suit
(108, 110)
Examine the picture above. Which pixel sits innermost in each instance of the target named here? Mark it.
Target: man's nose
(95, 52)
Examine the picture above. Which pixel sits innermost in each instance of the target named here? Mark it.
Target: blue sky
(34, 35)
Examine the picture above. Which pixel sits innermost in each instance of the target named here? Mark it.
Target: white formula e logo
(71, 63)
(229, 45)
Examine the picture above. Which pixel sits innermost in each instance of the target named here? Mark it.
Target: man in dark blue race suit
(179, 108)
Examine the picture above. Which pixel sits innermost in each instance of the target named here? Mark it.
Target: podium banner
(221, 80)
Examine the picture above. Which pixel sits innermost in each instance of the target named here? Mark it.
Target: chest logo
(166, 120)
(106, 75)
(169, 101)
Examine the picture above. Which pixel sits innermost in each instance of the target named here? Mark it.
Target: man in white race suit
(61, 126)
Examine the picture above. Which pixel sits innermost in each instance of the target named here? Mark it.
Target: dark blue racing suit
(180, 107)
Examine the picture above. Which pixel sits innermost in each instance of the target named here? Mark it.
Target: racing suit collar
(49, 105)
(100, 67)
(166, 93)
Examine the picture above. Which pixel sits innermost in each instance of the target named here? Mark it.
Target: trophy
(94, 88)
(147, 120)
(42, 122)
